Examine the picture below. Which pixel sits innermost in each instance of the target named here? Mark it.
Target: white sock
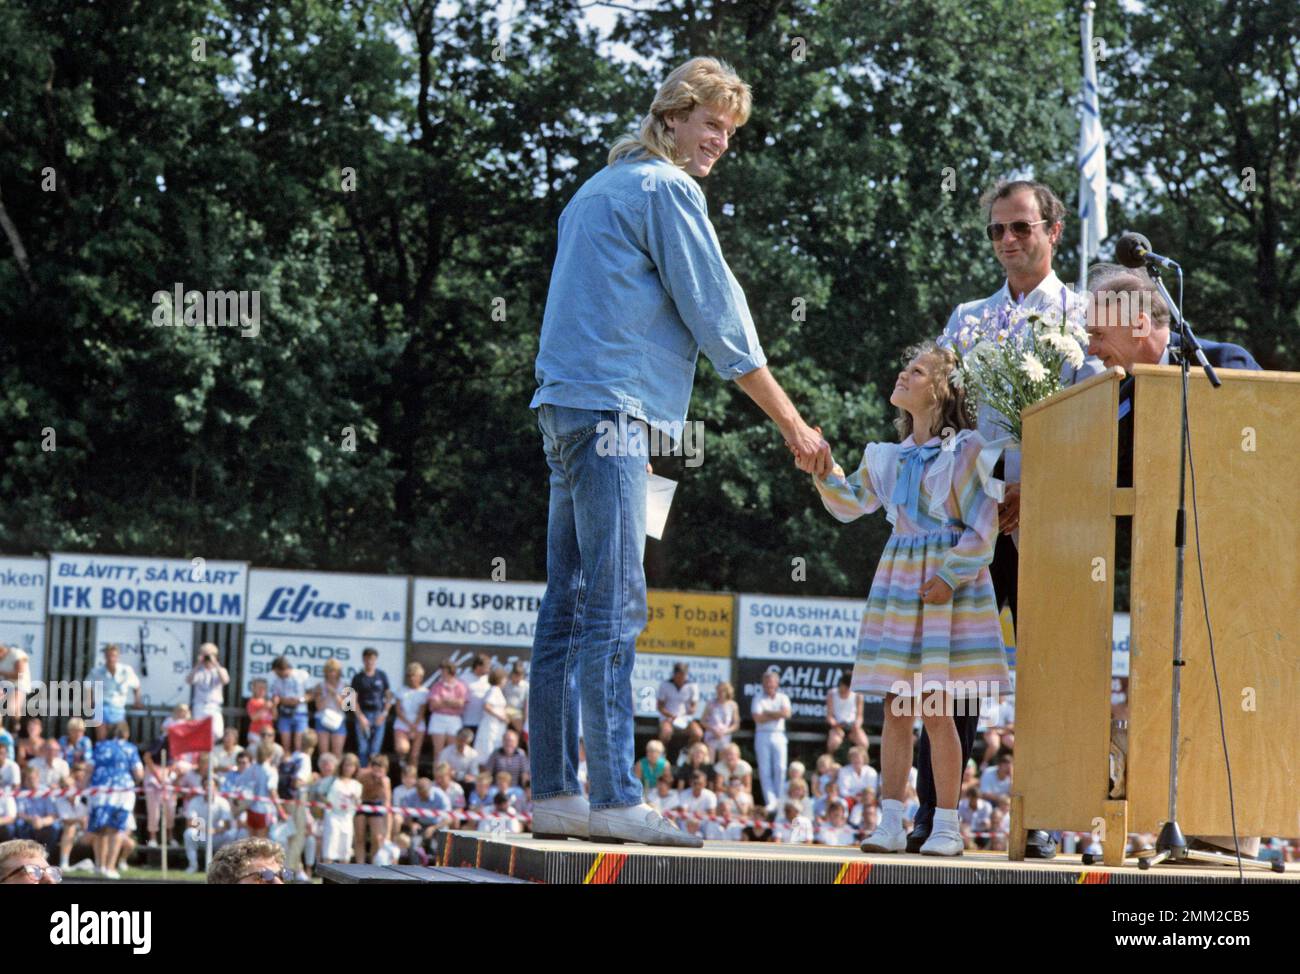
(945, 820)
(891, 815)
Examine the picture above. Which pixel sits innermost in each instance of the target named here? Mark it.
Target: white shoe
(561, 818)
(882, 840)
(943, 844)
(112, 874)
(192, 868)
(639, 823)
(83, 866)
(151, 844)
(301, 877)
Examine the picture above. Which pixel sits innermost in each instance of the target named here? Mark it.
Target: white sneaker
(301, 877)
(561, 818)
(151, 844)
(882, 840)
(639, 823)
(943, 844)
(82, 866)
(112, 874)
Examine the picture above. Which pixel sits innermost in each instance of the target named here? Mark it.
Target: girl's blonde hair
(700, 81)
(954, 410)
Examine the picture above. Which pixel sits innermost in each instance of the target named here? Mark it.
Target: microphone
(1134, 250)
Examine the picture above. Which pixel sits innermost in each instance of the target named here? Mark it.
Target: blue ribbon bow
(907, 489)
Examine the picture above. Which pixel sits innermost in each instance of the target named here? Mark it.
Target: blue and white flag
(1092, 152)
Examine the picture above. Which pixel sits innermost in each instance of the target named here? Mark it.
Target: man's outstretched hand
(812, 454)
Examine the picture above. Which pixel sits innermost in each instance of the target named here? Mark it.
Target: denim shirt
(639, 287)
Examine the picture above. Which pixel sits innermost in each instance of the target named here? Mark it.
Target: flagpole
(1085, 29)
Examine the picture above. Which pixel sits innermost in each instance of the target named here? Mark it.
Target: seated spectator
(75, 745)
(721, 719)
(974, 812)
(652, 766)
(828, 770)
(760, 828)
(277, 750)
(797, 794)
(795, 827)
(50, 765)
(73, 812)
(821, 806)
(795, 771)
(462, 758)
(444, 782)
(500, 818)
(10, 774)
(509, 757)
(678, 703)
(696, 802)
(32, 743)
(232, 780)
(478, 800)
(836, 830)
(504, 784)
(870, 817)
(726, 824)
(407, 789)
(224, 828)
(731, 766)
(697, 759)
(858, 777)
(664, 797)
(999, 828)
(996, 780)
(742, 796)
(37, 817)
(225, 753)
(844, 716)
(432, 808)
(411, 851)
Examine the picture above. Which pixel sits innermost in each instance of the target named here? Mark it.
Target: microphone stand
(1171, 846)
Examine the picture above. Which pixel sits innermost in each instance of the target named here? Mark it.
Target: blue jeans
(593, 610)
(371, 742)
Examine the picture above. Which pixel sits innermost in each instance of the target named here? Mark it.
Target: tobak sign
(688, 624)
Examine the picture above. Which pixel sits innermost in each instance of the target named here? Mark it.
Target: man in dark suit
(1128, 325)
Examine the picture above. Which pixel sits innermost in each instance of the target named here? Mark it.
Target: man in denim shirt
(639, 287)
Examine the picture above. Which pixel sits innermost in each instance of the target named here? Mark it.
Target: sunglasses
(1021, 228)
(269, 876)
(36, 873)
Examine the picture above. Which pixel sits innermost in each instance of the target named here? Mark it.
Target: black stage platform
(575, 861)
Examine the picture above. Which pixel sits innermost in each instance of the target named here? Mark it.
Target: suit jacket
(1222, 355)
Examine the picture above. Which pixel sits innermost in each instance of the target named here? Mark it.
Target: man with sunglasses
(1024, 221)
(249, 862)
(22, 862)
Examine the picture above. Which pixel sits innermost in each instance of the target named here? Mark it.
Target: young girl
(343, 798)
(261, 714)
(930, 637)
(408, 728)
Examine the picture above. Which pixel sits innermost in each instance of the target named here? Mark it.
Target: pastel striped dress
(942, 499)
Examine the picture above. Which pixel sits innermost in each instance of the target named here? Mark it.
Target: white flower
(1033, 368)
(971, 321)
(1017, 315)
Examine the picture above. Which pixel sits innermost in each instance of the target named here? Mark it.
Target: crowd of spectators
(292, 780)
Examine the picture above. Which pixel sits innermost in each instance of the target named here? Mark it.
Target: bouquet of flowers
(1012, 357)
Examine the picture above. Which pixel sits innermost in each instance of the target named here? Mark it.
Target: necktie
(907, 489)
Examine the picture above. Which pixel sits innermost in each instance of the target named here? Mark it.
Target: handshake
(812, 454)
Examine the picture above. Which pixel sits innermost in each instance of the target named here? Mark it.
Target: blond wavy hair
(700, 81)
(955, 410)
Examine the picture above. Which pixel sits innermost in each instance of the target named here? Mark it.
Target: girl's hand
(936, 591)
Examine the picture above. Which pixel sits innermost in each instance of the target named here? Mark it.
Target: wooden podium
(1246, 454)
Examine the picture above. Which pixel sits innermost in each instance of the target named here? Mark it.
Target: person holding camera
(207, 683)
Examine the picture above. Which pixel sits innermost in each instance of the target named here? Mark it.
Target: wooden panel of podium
(1246, 457)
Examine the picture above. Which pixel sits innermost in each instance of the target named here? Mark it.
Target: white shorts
(448, 724)
(400, 724)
